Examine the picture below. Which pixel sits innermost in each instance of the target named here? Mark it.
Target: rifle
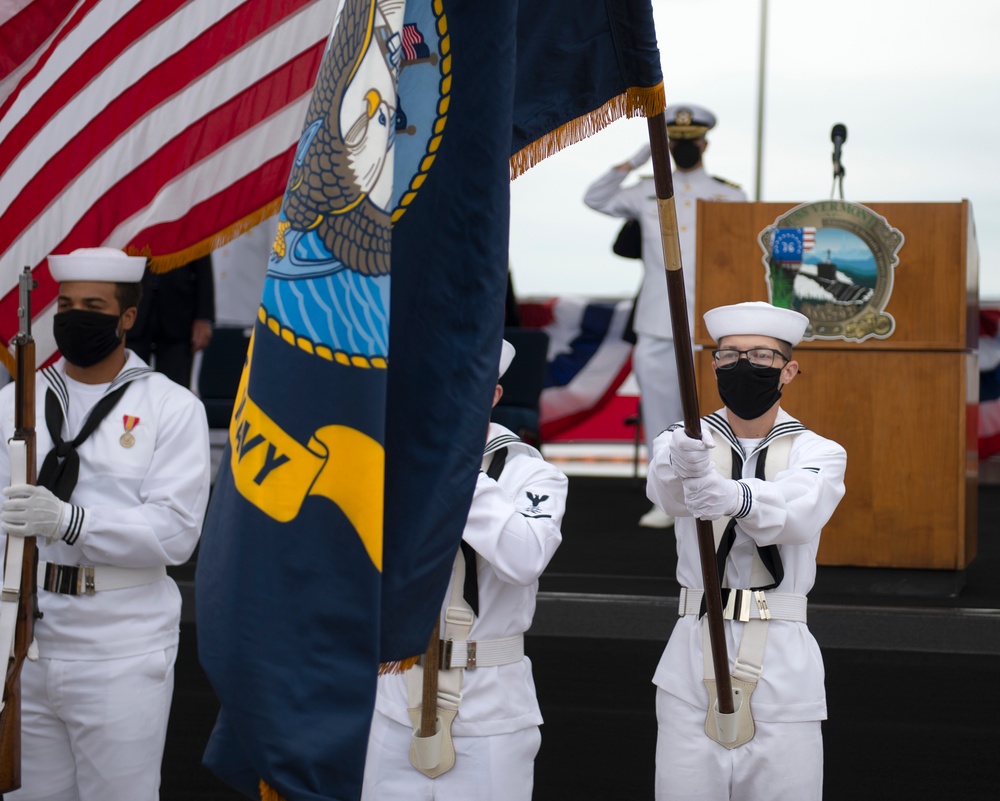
(18, 604)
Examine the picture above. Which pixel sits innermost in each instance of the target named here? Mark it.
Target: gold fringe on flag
(636, 101)
(399, 666)
(169, 261)
(8, 361)
(268, 793)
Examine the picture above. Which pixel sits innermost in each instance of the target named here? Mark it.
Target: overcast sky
(916, 83)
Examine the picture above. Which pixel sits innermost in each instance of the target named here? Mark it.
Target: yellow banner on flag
(275, 472)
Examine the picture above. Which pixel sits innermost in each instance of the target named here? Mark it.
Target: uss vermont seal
(833, 261)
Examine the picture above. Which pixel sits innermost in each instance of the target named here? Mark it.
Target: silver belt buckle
(87, 585)
(729, 608)
(70, 579)
(62, 579)
(743, 603)
(444, 650)
(765, 613)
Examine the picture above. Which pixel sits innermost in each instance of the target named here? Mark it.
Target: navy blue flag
(364, 405)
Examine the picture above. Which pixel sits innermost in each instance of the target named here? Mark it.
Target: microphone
(838, 136)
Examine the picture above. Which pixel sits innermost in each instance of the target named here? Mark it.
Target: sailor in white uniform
(770, 485)
(116, 503)
(511, 534)
(653, 357)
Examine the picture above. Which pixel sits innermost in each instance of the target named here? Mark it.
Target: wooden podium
(904, 407)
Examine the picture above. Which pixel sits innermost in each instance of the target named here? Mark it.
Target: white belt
(748, 604)
(471, 654)
(90, 579)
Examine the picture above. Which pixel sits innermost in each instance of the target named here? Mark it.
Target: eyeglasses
(726, 358)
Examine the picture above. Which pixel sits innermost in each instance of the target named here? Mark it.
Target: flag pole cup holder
(427, 750)
(727, 726)
(733, 729)
(434, 754)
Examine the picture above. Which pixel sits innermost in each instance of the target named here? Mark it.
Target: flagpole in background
(762, 63)
(689, 395)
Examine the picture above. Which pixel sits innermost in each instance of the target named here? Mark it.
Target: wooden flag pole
(431, 664)
(667, 213)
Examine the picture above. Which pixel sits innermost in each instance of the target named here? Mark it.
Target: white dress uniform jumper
(767, 565)
(485, 680)
(96, 700)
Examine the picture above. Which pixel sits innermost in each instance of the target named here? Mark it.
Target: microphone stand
(838, 177)
(838, 136)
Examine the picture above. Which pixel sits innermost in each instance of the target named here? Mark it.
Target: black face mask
(85, 337)
(748, 391)
(685, 152)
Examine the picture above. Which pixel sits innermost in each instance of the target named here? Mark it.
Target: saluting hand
(641, 157)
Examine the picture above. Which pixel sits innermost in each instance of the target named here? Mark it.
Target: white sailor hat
(507, 352)
(756, 317)
(686, 121)
(97, 264)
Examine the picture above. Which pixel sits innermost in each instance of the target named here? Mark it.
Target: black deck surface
(902, 727)
(903, 724)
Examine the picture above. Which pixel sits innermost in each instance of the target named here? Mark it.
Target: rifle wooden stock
(10, 718)
(24, 430)
(684, 354)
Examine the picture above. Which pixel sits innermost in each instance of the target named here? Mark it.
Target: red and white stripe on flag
(411, 37)
(163, 127)
(808, 238)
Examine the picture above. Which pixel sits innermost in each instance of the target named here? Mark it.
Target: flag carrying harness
(435, 755)
(754, 606)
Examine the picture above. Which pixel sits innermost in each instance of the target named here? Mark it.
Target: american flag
(589, 361)
(159, 126)
(790, 243)
(413, 43)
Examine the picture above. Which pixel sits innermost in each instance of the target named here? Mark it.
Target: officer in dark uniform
(175, 318)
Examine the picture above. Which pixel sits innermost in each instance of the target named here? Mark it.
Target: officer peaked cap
(686, 121)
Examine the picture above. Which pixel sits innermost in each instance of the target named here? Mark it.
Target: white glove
(690, 457)
(711, 496)
(31, 511)
(641, 157)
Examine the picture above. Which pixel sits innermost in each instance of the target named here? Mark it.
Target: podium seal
(833, 261)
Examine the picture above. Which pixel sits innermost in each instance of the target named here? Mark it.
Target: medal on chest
(127, 439)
